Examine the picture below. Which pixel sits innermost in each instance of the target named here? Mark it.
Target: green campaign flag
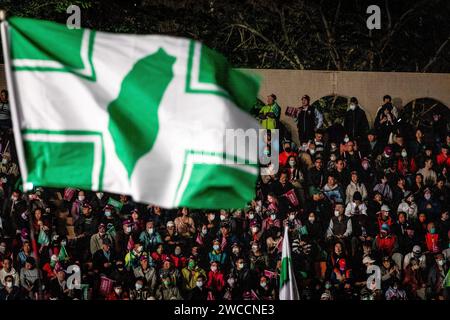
(116, 204)
(153, 117)
(447, 280)
(288, 285)
(63, 255)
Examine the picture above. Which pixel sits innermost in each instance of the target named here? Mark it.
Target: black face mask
(288, 149)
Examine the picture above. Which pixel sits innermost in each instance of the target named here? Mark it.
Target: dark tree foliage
(291, 34)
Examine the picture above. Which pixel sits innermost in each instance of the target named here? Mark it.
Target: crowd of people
(354, 199)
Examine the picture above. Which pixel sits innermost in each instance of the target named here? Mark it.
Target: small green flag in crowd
(142, 115)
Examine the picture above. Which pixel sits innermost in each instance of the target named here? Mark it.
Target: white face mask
(222, 217)
(292, 163)
(231, 282)
(9, 284)
(150, 231)
(211, 217)
(108, 213)
(254, 248)
(199, 284)
(14, 198)
(213, 268)
(427, 196)
(235, 250)
(273, 216)
(311, 219)
(333, 157)
(138, 286)
(352, 106)
(251, 216)
(4, 161)
(118, 291)
(312, 151)
(336, 213)
(240, 266)
(291, 217)
(258, 209)
(404, 154)
(99, 195)
(263, 284)
(346, 139)
(128, 229)
(440, 262)
(254, 229)
(81, 198)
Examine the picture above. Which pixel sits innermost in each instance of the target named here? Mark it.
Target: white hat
(170, 224)
(368, 259)
(385, 208)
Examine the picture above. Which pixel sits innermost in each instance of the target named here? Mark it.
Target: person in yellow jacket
(269, 115)
(190, 274)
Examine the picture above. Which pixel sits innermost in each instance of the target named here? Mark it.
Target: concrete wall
(368, 87)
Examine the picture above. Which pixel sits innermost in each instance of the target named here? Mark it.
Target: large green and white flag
(288, 285)
(144, 115)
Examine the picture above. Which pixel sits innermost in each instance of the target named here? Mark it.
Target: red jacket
(386, 244)
(432, 242)
(442, 159)
(283, 157)
(215, 281)
(178, 262)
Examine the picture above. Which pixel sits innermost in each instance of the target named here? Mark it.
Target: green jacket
(269, 121)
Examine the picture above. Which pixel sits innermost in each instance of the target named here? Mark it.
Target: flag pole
(17, 135)
(12, 99)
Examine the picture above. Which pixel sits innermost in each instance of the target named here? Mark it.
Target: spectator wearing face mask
(355, 121)
(190, 274)
(287, 152)
(77, 205)
(118, 293)
(216, 282)
(265, 289)
(10, 291)
(216, 254)
(435, 282)
(147, 272)
(168, 290)
(140, 290)
(340, 226)
(150, 238)
(244, 277)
